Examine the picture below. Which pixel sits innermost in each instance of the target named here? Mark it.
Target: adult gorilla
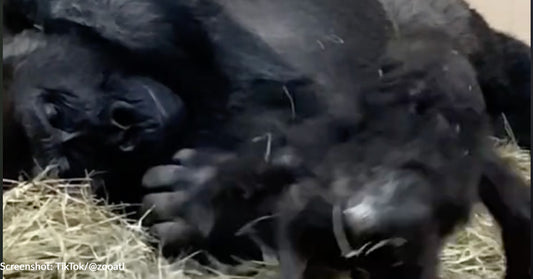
(231, 94)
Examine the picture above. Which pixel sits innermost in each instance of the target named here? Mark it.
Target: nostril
(122, 116)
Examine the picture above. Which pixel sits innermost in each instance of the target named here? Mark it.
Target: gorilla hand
(171, 191)
(207, 196)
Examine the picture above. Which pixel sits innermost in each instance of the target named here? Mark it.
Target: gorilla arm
(508, 199)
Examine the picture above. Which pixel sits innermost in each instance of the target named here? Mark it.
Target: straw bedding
(49, 221)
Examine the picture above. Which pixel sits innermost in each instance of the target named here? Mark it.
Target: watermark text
(62, 266)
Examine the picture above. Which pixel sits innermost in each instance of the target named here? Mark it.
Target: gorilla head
(80, 110)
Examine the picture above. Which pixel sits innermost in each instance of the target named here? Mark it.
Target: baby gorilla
(87, 112)
(501, 61)
(379, 199)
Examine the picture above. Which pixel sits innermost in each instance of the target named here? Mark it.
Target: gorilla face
(80, 111)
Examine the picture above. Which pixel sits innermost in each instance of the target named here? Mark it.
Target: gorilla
(246, 72)
(501, 61)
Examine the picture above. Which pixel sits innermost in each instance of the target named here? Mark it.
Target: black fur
(249, 69)
(412, 134)
(502, 62)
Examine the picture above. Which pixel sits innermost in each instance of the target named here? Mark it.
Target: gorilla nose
(144, 117)
(140, 99)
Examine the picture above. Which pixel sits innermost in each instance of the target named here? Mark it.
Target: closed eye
(55, 93)
(53, 100)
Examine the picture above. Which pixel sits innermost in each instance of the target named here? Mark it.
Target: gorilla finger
(162, 206)
(175, 235)
(185, 155)
(167, 177)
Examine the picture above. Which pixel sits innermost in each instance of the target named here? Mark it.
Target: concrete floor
(511, 16)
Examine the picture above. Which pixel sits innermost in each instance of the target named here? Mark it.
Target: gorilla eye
(122, 118)
(52, 99)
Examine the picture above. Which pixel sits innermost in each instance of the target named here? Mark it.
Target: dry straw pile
(47, 221)
(52, 221)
